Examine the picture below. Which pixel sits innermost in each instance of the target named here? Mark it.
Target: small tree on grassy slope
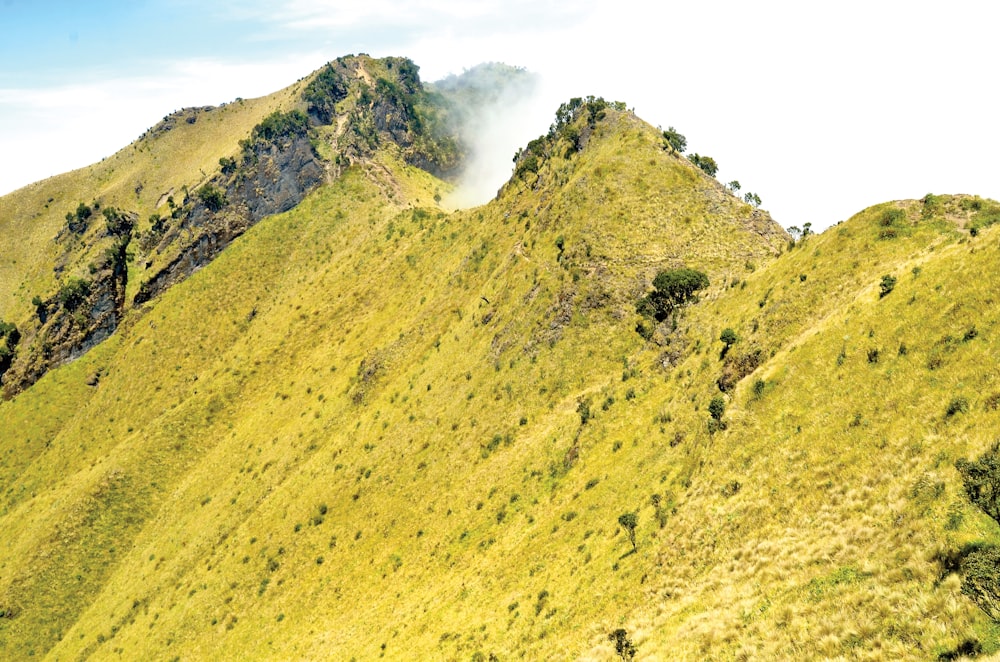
(629, 521)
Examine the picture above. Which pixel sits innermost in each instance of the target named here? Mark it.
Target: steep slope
(174, 154)
(105, 258)
(817, 523)
(368, 428)
(338, 370)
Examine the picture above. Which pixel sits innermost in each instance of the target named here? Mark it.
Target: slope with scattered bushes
(371, 428)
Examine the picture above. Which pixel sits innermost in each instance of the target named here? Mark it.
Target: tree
(629, 521)
(706, 163)
(752, 199)
(41, 308)
(734, 186)
(73, 293)
(886, 286)
(680, 285)
(118, 223)
(675, 140)
(981, 479)
(583, 408)
(623, 645)
(717, 407)
(729, 338)
(9, 337)
(77, 221)
(212, 197)
(673, 288)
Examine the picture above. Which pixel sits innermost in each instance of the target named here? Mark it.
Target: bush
(981, 479)
(9, 337)
(629, 521)
(981, 579)
(280, 125)
(323, 93)
(675, 140)
(717, 407)
(73, 293)
(673, 288)
(213, 198)
(886, 286)
(958, 405)
(77, 220)
(118, 223)
(706, 163)
(623, 645)
(728, 337)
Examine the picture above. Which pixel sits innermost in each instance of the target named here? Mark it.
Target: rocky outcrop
(78, 317)
(274, 176)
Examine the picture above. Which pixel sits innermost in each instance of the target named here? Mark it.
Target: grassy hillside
(178, 152)
(372, 429)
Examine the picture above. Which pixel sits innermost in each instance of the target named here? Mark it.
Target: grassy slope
(328, 444)
(161, 161)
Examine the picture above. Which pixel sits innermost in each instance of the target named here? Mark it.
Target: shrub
(728, 336)
(73, 293)
(675, 140)
(213, 198)
(623, 645)
(717, 407)
(279, 125)
(9, 337)
(887, 285)
(981, 479)
(629, 521)
(323, 93)
(119, 224)
(706, 163)
(958, 405)
(981, 579)
(77, 220)
(673, 288)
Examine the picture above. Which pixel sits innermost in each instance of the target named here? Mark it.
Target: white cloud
(52, 130)
(822, 109)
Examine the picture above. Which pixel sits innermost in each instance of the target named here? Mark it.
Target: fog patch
(497, 108)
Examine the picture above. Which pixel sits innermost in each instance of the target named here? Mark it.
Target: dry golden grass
(355, 435)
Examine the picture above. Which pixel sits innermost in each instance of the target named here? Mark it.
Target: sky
(822, 109)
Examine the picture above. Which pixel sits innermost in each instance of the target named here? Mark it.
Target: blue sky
(822, 109)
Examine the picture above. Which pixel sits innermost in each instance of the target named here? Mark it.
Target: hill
(366, 427)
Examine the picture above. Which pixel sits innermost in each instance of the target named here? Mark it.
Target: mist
(497, 109)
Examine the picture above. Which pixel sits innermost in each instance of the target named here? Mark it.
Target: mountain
(307, 412)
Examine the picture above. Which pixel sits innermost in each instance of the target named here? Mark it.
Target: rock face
(77, 318)
(274, 177)
(356, 105)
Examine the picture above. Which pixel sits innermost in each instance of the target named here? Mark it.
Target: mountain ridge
(370, 427)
